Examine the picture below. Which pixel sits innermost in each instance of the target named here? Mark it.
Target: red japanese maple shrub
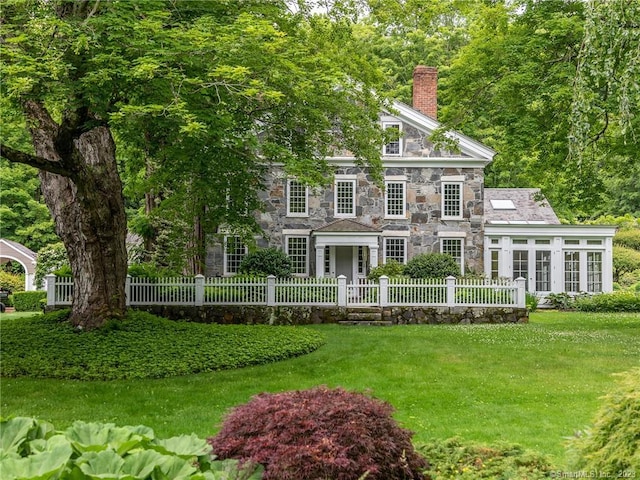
(319, 433)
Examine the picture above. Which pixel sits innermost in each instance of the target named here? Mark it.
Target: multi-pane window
(571, 271)
(362, 260)
(452, 200)
(345, 198)
(297, 199)
(395, 199)
(395, 249)
(298, 251)
(453, 247)
(521, 264)
(234, 252)
(327, 261)
(394, 147)
(594, 272)
(543, 271)
(495, 263)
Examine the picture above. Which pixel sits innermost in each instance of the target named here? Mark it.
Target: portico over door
(346, 247)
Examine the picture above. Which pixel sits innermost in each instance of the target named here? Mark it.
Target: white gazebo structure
(10, 250)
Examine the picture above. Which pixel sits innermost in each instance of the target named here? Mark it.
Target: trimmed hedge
(142, 346)
(29, 301)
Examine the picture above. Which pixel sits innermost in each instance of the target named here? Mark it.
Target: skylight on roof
(503, 205)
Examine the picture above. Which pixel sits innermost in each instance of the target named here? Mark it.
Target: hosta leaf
(14, 432)
(185, 446)
(40, 466)
(174, 468)
(141, 464)
(105, 465)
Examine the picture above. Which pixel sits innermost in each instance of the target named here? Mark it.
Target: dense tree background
(551, 85)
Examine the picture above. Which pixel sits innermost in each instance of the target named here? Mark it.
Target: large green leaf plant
(33, 449)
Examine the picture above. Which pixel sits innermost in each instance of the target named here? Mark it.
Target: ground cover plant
(141, 346)
(534, 384)
(319, 433)
(33, 449)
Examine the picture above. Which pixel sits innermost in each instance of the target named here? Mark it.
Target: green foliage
(391, 269)
(629, 238)
(11, 282)
(531, 301)
(49, 259)
(432, 265)
(319, 433)
(28, 301)
(622, 301)
(561, 301)
(454, 459)
(611, 445)
(25, 217)
(34, 449)
(265, 262)
(150, 270)
(625, 260)
(142, 346)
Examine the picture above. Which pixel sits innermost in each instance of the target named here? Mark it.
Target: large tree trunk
(87, 205)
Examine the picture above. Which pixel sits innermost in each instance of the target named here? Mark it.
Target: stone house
(433, 200)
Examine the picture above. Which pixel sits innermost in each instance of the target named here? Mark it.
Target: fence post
(127, 291)
(271, 290)
(384, 291)
(342, 291)
(451, 290)
(521, 294)
(50, 280)
(199, 282)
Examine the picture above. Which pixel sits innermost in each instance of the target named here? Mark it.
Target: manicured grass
(531, 384)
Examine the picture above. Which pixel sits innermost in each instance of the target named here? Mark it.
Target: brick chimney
(425, 90)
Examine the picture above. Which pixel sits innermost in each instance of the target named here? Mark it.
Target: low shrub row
(142, 346)
(29, 301)
(34, 449)
(623, 301)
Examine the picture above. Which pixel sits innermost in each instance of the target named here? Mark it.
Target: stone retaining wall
(296, 315)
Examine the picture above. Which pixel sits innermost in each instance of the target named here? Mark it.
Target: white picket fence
(272, 291)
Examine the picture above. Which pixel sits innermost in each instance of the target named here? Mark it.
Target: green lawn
(530, 384)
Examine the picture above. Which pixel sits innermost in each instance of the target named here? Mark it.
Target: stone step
(362, 316)
(365, 323)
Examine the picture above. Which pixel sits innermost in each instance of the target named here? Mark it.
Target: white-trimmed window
(455, 248)
(521, 264)
(345, 197)
(452, 200)
(495, 263)
(395, 198)
(543, 270)
(395, 249)
(594, 272)
(571, 271)
(394, 147)
(298, 251)
(234, 252)
(297, 199)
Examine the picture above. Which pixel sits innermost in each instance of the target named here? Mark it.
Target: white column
(373, 256)
(50, 285)
(607, 266)
(319, 261)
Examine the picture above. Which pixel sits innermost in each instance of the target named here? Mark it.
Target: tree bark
(82, 188)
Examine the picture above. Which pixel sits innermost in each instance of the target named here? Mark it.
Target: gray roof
(517, 206)
(20, 248)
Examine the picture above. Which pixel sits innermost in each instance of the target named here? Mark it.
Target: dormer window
(394, 147)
